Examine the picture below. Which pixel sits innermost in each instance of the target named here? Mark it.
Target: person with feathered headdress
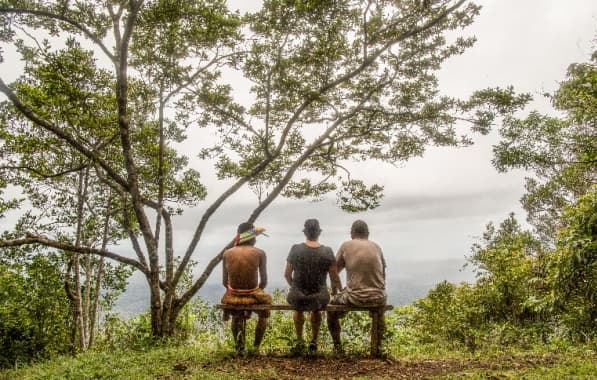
(245, 278)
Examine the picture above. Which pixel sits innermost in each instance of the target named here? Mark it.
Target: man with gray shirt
(365, 276)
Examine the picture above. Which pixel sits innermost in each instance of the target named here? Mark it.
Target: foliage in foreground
(203, 349)
(37, 319)
(203, 358)
(33, 311)
(525, 297)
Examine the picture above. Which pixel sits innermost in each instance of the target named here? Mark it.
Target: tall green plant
(574, 268)
(34, 311)
(510, 266)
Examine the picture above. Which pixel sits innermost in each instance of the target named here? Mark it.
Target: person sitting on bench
(307, 267)
(244, 277)
(365, 276)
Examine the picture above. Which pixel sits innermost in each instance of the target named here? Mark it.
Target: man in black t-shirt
(307, 267)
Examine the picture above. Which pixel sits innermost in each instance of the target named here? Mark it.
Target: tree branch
(61, 17)
(44, 175)
(368, 61)
(198, 72)
(60, 133)
(125, 138)
(37, 239)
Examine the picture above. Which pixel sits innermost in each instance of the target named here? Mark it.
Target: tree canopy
(560, 152)
(332, 82)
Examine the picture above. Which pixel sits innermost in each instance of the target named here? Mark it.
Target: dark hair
(312, 230)
(359, 229)
(244, 227)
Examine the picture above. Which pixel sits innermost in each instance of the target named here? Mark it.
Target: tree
(574, 267)
(59, 183)
(560, 151)
(333, 81)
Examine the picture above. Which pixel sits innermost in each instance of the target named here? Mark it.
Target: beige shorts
(347, 297)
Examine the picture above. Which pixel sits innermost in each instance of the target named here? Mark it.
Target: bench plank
(330, 307)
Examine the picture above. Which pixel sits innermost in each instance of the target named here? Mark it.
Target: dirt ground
(348, 368)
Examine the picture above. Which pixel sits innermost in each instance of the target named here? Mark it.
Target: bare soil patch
(344, 368)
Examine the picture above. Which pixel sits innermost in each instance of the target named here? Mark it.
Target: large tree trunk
(163, 314)
(155, 304)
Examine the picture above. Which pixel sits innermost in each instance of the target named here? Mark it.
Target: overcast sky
(436, 206)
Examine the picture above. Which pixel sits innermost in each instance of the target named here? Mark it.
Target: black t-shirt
(310, 266)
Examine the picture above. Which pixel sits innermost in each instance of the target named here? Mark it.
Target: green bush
(34, 311)
(120, 334)
(574, 269)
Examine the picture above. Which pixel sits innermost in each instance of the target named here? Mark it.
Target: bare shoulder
(229, 253)
(344, 244)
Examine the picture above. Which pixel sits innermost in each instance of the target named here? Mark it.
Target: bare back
(244, 267)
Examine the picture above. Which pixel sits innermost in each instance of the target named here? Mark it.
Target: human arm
(262, 270)
(288, 273)
(224, 272)
(340, 264)
(383, 263)
(335, 279)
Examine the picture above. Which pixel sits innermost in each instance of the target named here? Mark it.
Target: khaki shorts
(341, 298)
(345, 297)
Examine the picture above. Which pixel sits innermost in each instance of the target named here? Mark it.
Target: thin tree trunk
(96, 296)
(78, 309)
(99, 276)
(79, 324)
(71, 298)
(88, 267)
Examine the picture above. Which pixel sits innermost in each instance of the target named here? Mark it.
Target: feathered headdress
(248, 235)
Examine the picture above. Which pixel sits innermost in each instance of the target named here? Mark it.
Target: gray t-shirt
(365, 269)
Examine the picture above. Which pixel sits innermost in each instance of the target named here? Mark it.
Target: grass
(211, 356)
(157, 363)
(204, 360)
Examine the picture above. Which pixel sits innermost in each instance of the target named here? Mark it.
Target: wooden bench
(377, 318)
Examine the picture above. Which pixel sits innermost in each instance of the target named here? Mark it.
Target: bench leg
(377, 330)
